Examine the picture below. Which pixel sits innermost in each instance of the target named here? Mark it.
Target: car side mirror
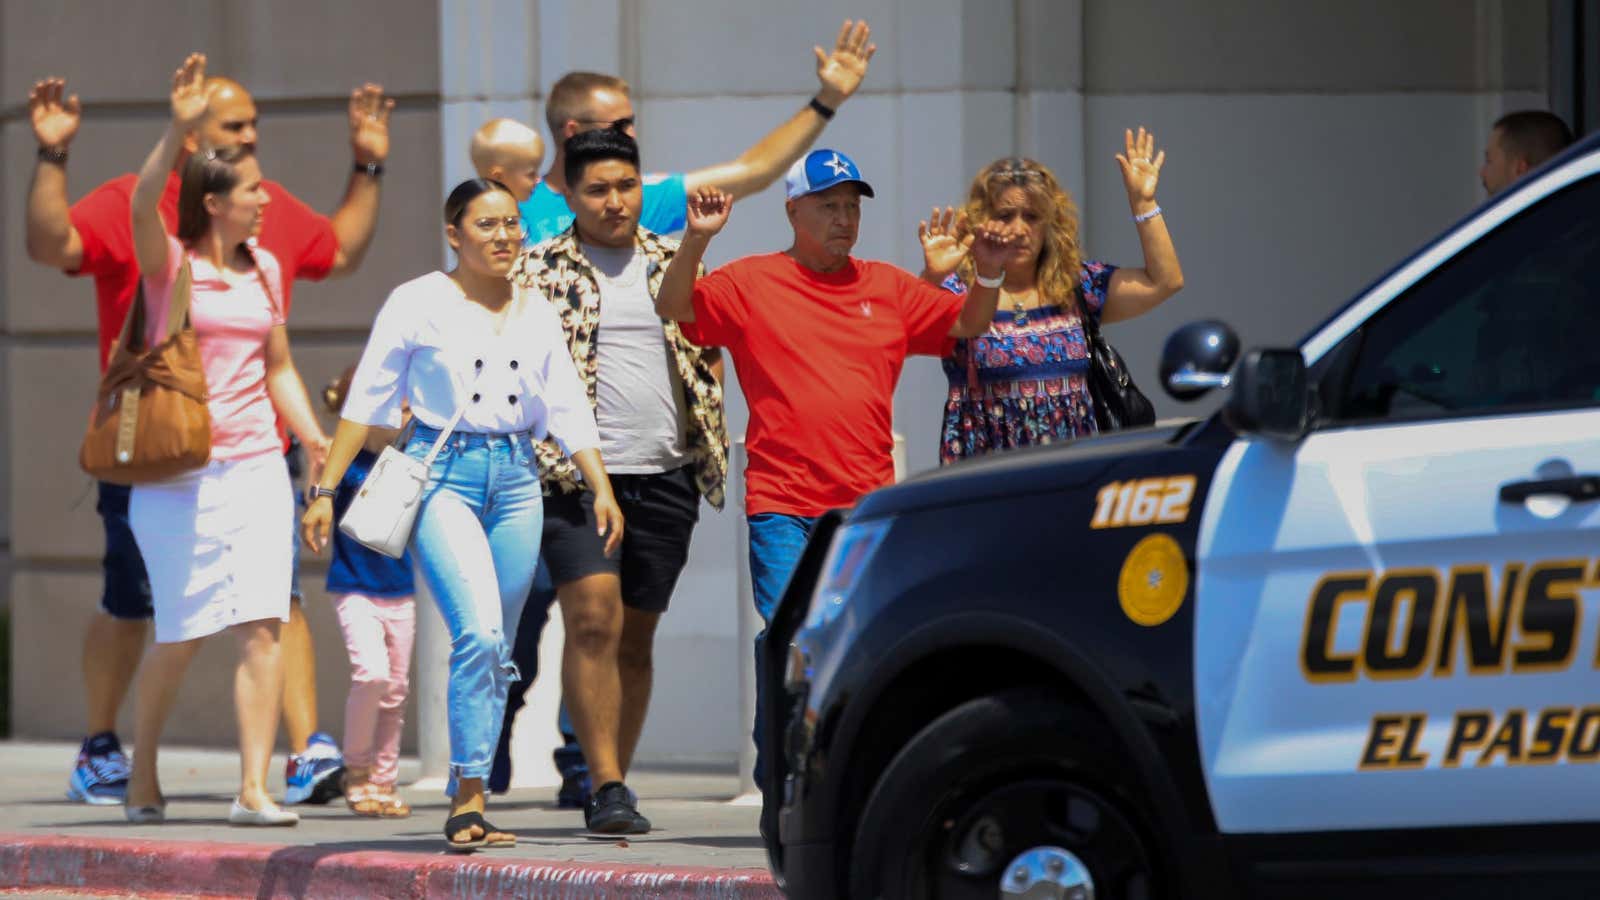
(1270, 396)
(1197, 358)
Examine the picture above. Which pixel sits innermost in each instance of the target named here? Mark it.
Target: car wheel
(1002, 784)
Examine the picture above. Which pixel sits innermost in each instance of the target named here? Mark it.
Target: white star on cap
(839, 166)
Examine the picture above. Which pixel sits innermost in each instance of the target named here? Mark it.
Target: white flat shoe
(145, 815)
(266, 815)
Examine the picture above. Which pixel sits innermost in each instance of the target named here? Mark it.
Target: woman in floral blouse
(1026, 381)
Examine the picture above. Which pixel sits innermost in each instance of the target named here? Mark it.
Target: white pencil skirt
(217, 544)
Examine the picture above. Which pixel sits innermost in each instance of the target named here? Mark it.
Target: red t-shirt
(301, 239)
(818, 357)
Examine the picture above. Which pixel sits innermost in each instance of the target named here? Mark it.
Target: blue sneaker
(101, 776)
(313, 776)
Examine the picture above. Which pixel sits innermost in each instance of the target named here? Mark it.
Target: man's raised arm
(51, 239)
(708, 210)
(839, 74)
(356, 219)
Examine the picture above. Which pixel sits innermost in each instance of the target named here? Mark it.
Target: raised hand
(55, 121)
(991, 248)
(189, 100)
(842, 70)
(369, 123)
(946, 241)
(1141, 166)
(708, 210)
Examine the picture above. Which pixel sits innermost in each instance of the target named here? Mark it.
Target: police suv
(1341, 639)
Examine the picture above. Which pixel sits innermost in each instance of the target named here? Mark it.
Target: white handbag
(382, 514)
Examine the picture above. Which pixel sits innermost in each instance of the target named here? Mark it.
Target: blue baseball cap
(820, 170)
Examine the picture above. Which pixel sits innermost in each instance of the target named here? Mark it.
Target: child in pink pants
(379, 620)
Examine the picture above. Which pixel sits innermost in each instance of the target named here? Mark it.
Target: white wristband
(1144, 217)
(990, 282)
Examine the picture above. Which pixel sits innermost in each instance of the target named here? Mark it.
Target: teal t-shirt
(545, 214)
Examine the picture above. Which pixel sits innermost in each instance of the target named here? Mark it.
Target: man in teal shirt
(584, 101)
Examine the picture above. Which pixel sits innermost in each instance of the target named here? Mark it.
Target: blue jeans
(776, 542)
(477, 544)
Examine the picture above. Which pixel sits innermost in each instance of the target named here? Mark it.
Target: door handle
(1577, 488)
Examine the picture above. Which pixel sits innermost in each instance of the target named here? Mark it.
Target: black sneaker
(612, 810)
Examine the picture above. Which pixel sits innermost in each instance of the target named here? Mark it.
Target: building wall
(1310, 146)
(300, 59)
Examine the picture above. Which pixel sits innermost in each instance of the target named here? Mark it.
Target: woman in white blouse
(463, 339)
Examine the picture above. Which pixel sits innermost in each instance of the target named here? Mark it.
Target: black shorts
(659, 513)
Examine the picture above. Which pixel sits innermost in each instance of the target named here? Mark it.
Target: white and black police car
(1341, 639)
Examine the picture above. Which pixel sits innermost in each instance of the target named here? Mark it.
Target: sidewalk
(701, 846)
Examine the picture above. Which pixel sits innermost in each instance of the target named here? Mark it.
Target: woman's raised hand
(1141, 166)
(189, 98)
(992, 248)
(946, 241)
(708, 211)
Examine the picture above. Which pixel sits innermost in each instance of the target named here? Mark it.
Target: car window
(1511, 323)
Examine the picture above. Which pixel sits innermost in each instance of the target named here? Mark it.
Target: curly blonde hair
(1059, 258)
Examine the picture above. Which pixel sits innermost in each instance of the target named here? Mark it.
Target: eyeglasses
(511, 225)
(619, 125)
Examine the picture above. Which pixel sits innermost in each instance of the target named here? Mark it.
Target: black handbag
(1118, 402)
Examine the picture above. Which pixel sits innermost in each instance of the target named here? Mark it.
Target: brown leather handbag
(150, 421)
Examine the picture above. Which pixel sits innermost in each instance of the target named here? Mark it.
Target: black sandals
(467, 820)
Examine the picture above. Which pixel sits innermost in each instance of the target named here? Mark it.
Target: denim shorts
(126, 594)
(294, 540)
(295, 459)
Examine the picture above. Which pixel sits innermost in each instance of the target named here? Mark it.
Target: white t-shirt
(433, 347)
(639, 402)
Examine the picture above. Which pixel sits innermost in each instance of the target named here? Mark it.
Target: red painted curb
(190, 868)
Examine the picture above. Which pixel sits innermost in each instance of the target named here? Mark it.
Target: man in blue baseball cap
(819, 338)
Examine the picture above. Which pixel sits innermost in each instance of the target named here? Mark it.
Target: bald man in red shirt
(93, 237)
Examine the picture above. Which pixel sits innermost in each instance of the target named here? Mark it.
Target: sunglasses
(618, 125)
(1017, 170)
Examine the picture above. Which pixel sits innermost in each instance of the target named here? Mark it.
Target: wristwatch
(371, 169)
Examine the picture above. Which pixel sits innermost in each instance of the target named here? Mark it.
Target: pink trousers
(378, 633)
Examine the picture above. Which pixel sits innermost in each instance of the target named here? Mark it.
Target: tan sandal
(364, 800)
(391, 806)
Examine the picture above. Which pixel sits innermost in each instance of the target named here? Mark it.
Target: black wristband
(821, 109)
(319, 491)
(57, 155)
(371, 169)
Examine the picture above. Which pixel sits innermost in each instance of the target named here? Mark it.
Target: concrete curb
(188, 868)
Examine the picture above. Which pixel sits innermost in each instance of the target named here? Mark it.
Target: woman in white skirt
(215, 540)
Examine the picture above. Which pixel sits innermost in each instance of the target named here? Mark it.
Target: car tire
(991, 779)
